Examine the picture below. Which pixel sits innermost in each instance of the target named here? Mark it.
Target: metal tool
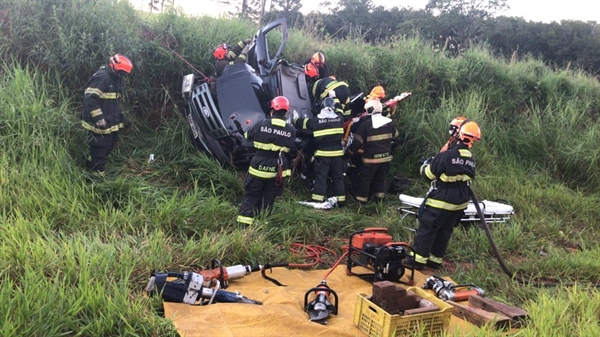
(225, 274)
(448, 291)
(188, 287)
(320, 308)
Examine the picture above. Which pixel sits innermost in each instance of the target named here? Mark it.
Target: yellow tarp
(282, 312)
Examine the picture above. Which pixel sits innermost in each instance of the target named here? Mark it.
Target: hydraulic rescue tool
(188, 287)
(448, 291)
(320, 308)
(225, 274)
(373, 249)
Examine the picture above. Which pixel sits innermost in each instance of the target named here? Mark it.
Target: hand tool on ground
(188, 287)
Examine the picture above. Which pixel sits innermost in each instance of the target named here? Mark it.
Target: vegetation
(76, 254)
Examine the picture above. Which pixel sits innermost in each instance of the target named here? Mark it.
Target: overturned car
(218, 120)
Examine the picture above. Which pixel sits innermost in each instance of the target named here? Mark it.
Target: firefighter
(319, 88)
(328, 131)
(374, 137)
(451, 173)
(273, 138)
(318, 60)
(378, 93)
(226, 55)
(455, 125)
(102, 115)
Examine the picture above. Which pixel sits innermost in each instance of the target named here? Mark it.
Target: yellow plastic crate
(376, 322)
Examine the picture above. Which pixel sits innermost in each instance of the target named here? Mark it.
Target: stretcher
(493, 211)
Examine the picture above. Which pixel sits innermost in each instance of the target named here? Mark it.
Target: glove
(246, 41)
(332, 93)
(295, 115)
(355, 120)
(101, 124)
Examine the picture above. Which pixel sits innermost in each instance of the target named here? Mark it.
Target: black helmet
(328, 102)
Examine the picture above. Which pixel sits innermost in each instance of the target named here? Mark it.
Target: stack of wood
(484, 311)
(395, 299)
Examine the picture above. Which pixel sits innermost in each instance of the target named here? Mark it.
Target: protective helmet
(120, 62)
(280, 103)
(373, 106)
(469, 133)
(311, 70)
(328, 102)
(455, 125)
(317, 59)
(377, 92)
(220, 52)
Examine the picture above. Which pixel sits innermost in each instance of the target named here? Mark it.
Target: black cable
(488, 233)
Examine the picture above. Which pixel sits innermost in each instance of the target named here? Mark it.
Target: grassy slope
(68, 245)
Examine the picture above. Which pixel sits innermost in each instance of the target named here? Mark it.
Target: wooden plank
(421, 310)
(480, 317)
(519, 315)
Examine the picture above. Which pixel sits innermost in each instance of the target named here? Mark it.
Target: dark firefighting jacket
(376, 142)
(451, 172)
(320, 89)
(273, 138)
(101, 100)
(327, 133)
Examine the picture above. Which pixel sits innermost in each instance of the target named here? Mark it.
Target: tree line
(452, 26)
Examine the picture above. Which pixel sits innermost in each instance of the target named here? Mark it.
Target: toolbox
(376, 322)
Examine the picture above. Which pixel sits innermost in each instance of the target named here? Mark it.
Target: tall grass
(77, 253)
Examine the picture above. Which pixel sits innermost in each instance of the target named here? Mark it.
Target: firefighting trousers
(100, 147)
(325, 167)
(259, 197)
(371, 181)
(434, 232)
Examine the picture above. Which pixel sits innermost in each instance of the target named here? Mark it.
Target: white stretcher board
(493, 211)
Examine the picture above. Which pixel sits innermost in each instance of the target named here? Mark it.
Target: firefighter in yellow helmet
(102, 115)
(451, 173)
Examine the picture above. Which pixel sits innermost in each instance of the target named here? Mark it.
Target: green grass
(76, 254)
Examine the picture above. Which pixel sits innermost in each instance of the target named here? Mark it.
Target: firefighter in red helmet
(102, 115)
(225, 54)
(273, 139)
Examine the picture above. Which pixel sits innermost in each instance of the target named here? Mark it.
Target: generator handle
(375, 229)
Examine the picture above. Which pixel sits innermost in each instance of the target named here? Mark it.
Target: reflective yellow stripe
(428, 172)
(331, 86)
(332, 153)
(329, 132)
(379, 137)
(270, 147)
(341, 198)
(278, 122)
(94, 129)
(420, 259)
(362, 199)
(377, 160)
(454, 179)
(445, 205)
(268, 175)
(305, 123)
(465, 153)
(379, 195)
(110, 95)
(93, 91)
(317, 197)
(245, 220)
(95, 113)
(435, 259)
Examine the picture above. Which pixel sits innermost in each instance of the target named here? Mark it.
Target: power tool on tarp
(373, 249)
(448, 291)
(188, 287)
(320, 308)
